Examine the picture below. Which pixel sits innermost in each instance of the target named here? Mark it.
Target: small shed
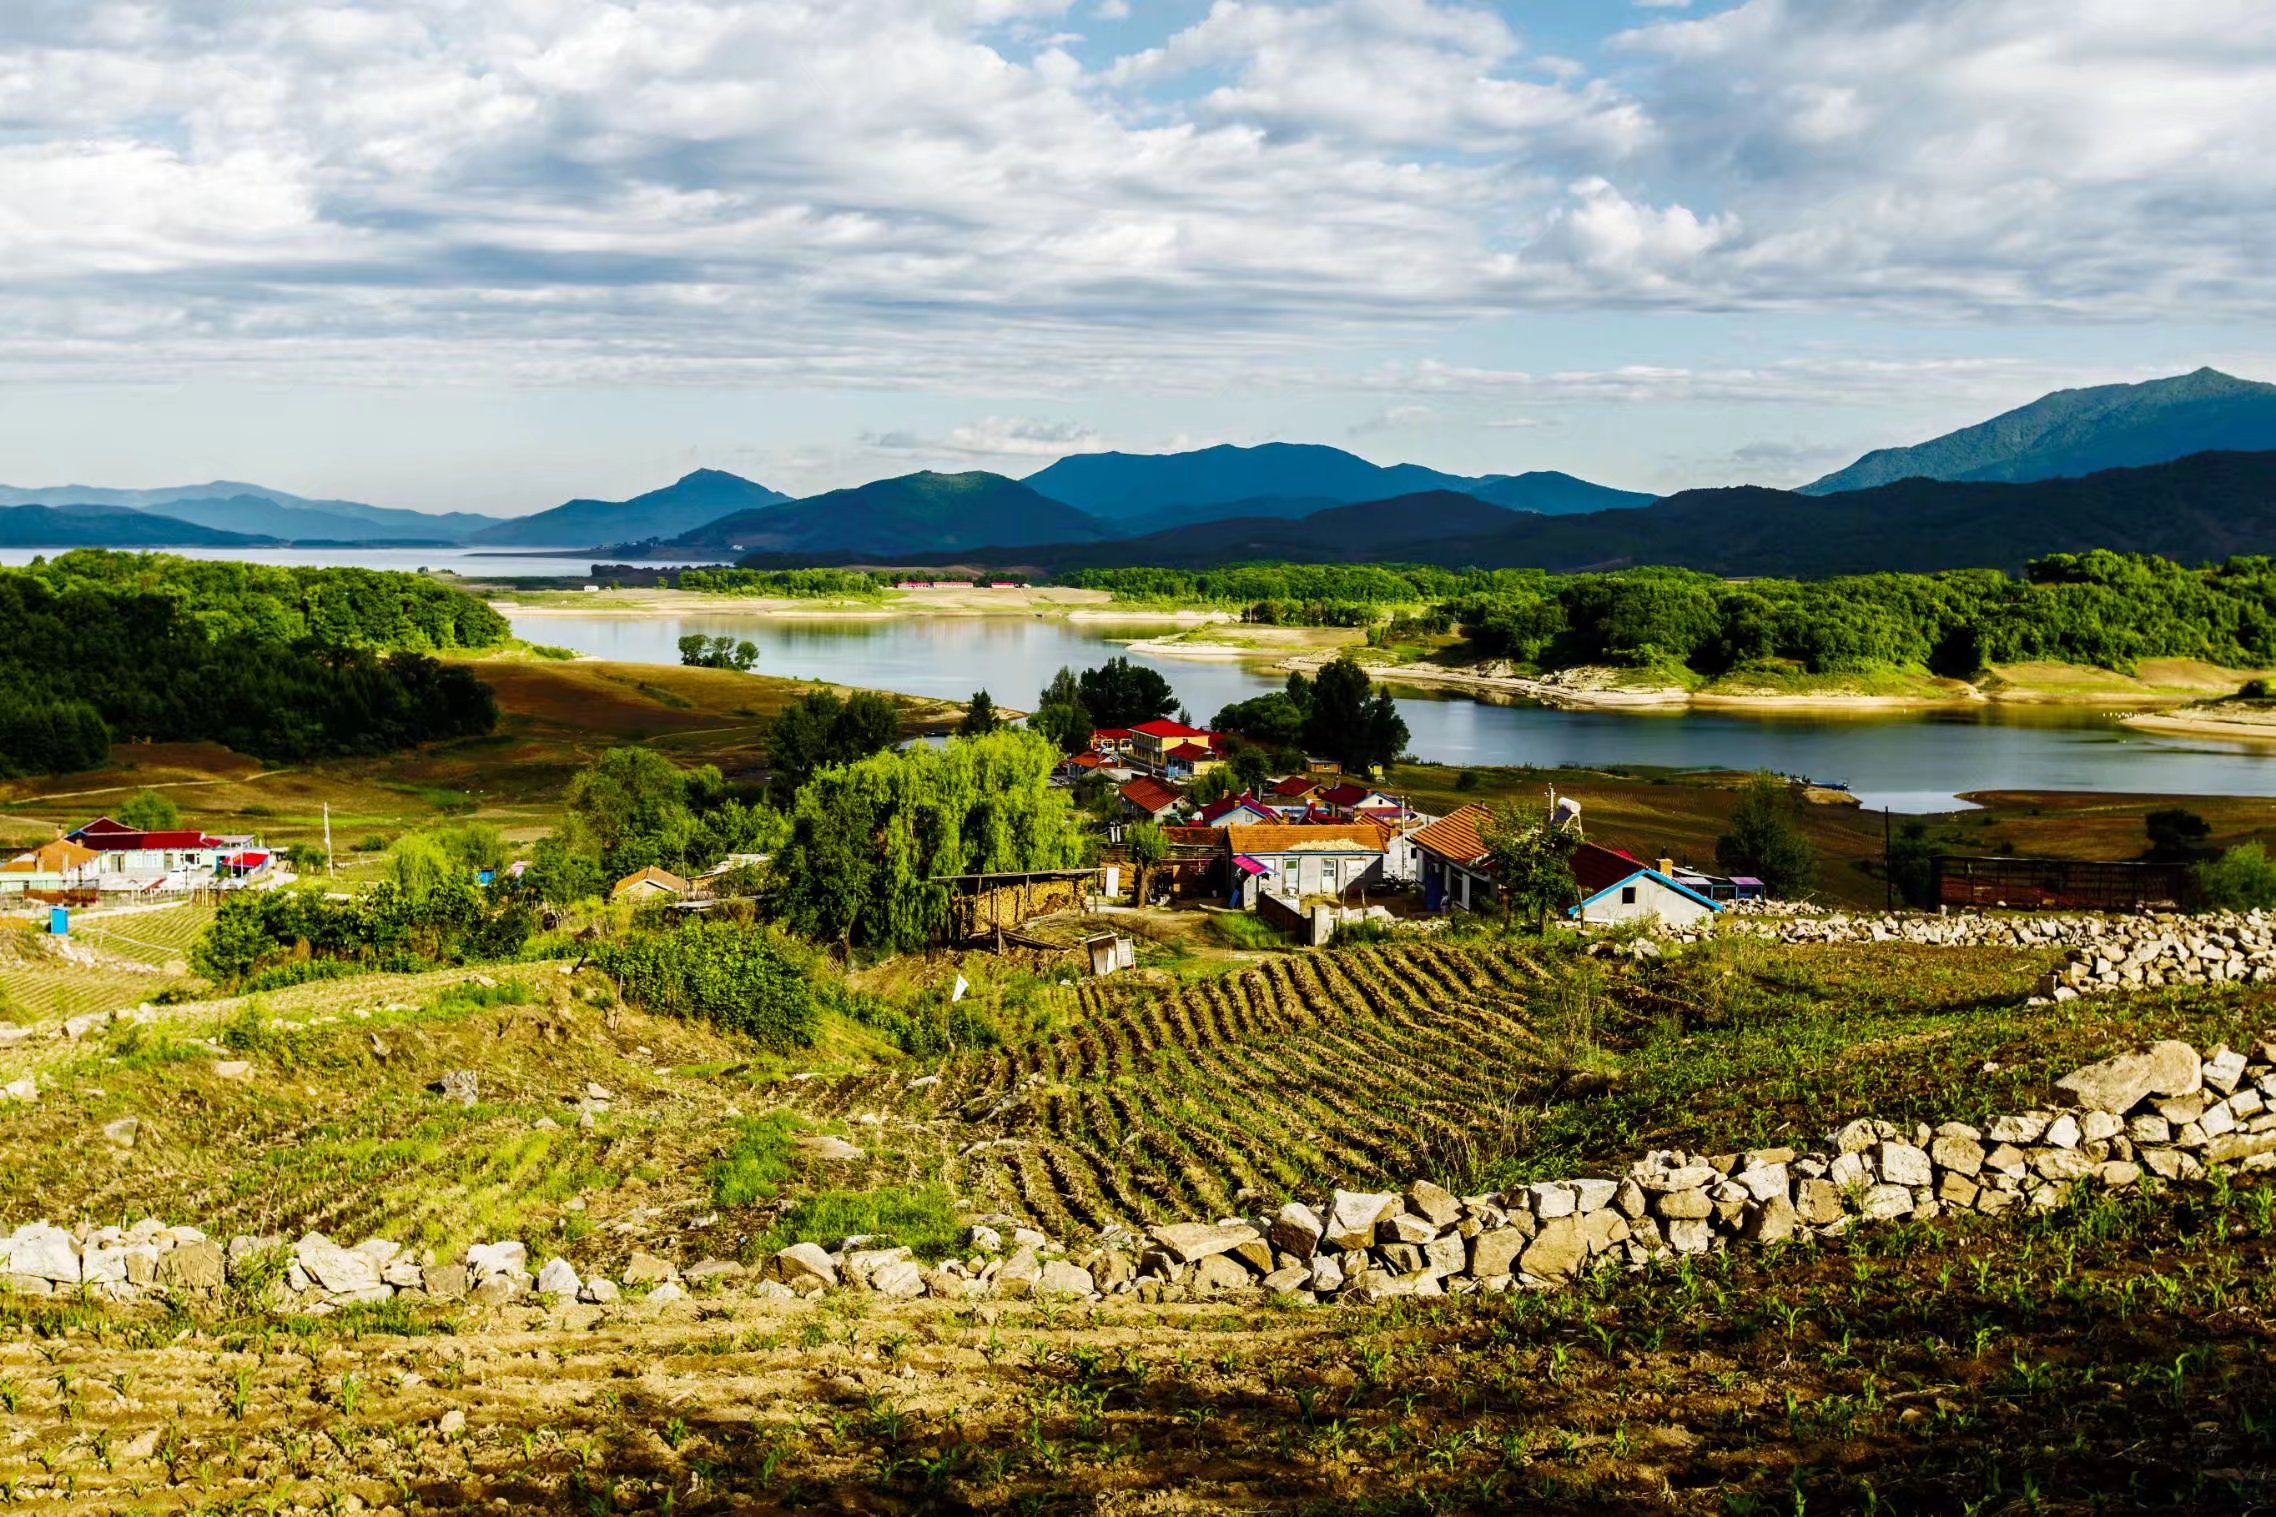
(1110, 952)
(990, 905)
(650, 884)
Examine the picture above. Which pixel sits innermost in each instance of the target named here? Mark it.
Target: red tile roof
(1346, 795)
(128, 842)
(1295, 785)
(1191, 751)
(1109, 734)
(1233, 803)
(1150, 795)
(1166, 728)
(1596, 867)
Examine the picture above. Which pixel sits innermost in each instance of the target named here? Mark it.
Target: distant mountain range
(1140, 490)
(945, 512)
(685, 504)
(2074, 432)
(2206, 506)
(297, 517)
(111, 527)
(1304, 500)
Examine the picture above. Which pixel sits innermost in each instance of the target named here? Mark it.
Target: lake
(474, 563)
(1907, 761)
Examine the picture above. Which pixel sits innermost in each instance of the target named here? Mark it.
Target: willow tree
(871, 842)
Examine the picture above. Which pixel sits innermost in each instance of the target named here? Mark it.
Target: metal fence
(2061, 884)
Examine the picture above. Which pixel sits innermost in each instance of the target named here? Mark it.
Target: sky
(490, 254)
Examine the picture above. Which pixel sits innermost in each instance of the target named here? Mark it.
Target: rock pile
(2106, 952)
(2161, 1110)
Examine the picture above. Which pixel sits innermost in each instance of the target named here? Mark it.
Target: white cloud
(996, 439)
(940, 194)
(1403, 73)
(2088, 157)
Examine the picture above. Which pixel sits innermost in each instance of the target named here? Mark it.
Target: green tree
(418, 865)
(821, 730)
(2177, 835)
(150, 811)
(1532, 867)
(739, 976)
(979, 716)
(1149, 849)
(1121, 694)
(1766, 840)
(1912, 864)
(869, 842)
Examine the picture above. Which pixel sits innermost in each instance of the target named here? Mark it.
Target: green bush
(2242, 878)
(1238, 929)
(757, 1161)
(744, 978)
(921, 1218)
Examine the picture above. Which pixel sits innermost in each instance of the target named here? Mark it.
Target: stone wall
(2104, 953)
(2162, 1112)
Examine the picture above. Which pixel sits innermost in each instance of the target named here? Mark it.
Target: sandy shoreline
(2236, 729)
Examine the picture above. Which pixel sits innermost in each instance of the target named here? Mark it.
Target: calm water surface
(1906, 761)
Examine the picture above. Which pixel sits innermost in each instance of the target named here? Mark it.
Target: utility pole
(1888, 876)
(327, 839)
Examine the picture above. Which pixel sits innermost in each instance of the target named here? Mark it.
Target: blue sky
(487, 254)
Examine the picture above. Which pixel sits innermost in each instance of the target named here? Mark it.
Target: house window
(1627, 895)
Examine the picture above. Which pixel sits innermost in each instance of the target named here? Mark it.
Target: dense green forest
(1247, 585)
(785, 584)
(284, 663)
(333, 608)
(2097, 608)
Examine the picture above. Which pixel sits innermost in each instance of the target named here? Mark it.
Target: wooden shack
(982, 906)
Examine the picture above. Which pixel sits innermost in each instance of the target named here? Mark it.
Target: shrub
(743, 978)
(2242, 878)
(922, 1218)
(1238, 929)
(757, 1161)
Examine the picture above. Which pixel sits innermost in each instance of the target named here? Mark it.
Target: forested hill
(112, 527)
(2208, 506)
(284, 663)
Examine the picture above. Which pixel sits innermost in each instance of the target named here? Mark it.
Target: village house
(1112, 742)
(1151, 800)
(1190, 761)
(1242, 810)
(1617, 887)
(1293, 861)
(56, 867)
(136, 861)
(1450, 859)
(1151, 744)
(1349, 801)
(1294, 794)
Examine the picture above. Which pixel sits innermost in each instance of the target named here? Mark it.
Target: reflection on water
(1908, 761)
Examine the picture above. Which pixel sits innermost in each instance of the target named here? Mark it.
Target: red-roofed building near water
(1152, 745)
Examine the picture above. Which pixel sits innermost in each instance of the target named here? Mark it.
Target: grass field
(556, 718)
